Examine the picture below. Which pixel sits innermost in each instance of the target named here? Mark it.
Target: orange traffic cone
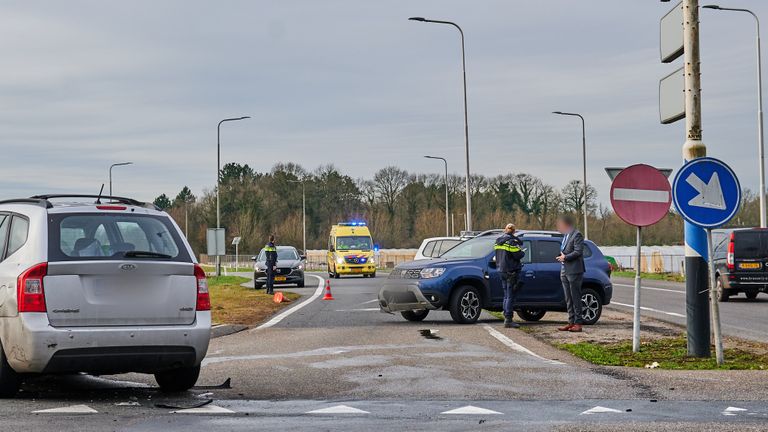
(280, 298)
(328, 295)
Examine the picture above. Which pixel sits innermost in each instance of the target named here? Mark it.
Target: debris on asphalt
(225, 385)
(430, 334)
(182, 407)
(204, 395)
(131, 403)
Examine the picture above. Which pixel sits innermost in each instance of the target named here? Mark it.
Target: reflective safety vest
(507, 247)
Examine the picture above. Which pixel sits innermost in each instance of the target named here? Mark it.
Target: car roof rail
(541, 233)
(98, 198)
(33, 201)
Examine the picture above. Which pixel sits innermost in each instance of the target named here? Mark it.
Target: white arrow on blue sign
(706, 192)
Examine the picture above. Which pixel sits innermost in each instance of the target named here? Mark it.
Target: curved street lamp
(466, 122)
(447, 227)
(584, 167)
(110, 173)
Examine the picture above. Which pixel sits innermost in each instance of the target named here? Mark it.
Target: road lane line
(517, 347)
(651, 288)
(647, 309)
(282, 315)
(360, 310)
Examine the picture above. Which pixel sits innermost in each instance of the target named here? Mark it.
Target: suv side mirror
(303, 257)
(492, 262)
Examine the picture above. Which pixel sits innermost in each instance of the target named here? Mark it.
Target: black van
(741, 262)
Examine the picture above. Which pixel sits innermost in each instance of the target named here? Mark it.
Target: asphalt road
(343, 365)
(666, 301)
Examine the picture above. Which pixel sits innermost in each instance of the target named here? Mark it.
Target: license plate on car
(357, 270)
(280, 278)
(749, 266)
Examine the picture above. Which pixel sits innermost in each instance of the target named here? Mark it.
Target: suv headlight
(298, 267)
(431, 272)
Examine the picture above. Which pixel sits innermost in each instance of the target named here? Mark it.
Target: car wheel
(722, 295)
(373, 275)
(177, 380)
(9, 379)
(591, 306)
(465, 305)
(257, 285)
(751, 295)
(301, 284)
(529, 314)
(417, 315)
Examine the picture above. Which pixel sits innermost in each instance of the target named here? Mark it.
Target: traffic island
(663, 345)
(234, 304)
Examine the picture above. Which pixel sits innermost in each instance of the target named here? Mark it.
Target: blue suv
(464, 280)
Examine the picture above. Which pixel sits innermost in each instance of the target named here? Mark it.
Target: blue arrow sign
(706, 192)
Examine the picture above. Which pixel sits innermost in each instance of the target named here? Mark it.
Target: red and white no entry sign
(641, 195)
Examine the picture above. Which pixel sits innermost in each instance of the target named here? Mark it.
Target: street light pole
(760, 135)
(303, 211)
(110, 173)
(584, 165)
(447, 226)
(466, 116)
(218, 180)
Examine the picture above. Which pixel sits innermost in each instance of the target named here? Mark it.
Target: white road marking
(641, 195)
(651, 288)
(471, 410)
(517, 347)
(600, 410)
(311, 353)
(72, 409)
(649, 309)
(370, 301)
(359, 310)
(207, 409)
(282, 315)
(338, 409)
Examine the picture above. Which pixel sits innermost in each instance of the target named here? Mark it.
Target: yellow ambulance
(350, 250)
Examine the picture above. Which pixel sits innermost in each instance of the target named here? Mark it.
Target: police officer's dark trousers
(270, 280)
(509, 281)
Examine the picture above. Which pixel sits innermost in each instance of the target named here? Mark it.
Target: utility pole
(696, 254)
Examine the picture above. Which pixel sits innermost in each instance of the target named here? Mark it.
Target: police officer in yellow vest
(509, 253)
(270, 250)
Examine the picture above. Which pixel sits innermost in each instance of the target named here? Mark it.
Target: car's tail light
(30, 294)
(203, 297)
(729, 259)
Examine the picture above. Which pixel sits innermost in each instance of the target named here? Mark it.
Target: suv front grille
(355, 260)
(405, 274)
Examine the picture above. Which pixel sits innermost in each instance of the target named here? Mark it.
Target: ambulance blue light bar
(354, 223)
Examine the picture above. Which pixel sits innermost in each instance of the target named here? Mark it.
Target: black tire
(336, 276)
(177, 380)
(531, 315)
(722, 294)
(751, 295)
(465, 305)
(301, 284)
(365, 276)
(10, 382)
(257, 285)
(415, 316)
(591, 306)
(373, 275)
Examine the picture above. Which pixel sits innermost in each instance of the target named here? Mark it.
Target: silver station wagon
(100, 285)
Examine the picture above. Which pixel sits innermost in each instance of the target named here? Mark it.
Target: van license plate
(750, 266)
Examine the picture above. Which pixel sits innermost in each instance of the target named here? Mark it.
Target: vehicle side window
(5, 220)
(546, 251)
(445, 245)
(18, 234)
(429, 248)
(527, 249)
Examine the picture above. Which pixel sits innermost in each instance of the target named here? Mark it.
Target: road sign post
(236, 243)
(707, 195)
(640, 196)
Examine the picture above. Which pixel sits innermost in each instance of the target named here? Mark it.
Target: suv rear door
(118, 269)
(544, 286)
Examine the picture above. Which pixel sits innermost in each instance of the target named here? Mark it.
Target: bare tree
(388, 183)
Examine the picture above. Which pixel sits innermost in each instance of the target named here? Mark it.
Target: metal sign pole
(715, 305)
(636, 314)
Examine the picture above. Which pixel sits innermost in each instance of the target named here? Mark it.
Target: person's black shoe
(508, 323)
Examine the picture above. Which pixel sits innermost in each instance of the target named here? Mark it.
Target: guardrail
(316, 259)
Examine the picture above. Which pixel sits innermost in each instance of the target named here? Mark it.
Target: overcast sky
(84, 84)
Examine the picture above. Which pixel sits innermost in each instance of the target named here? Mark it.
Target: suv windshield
(476, 248)
(282, 255)
(749, 244)
(109, 236)
(353, 243)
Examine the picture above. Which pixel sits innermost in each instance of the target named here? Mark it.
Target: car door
(544, 285)
(8, 271)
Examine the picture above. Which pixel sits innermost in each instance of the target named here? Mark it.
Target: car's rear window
(103, 236)
(750, 244)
